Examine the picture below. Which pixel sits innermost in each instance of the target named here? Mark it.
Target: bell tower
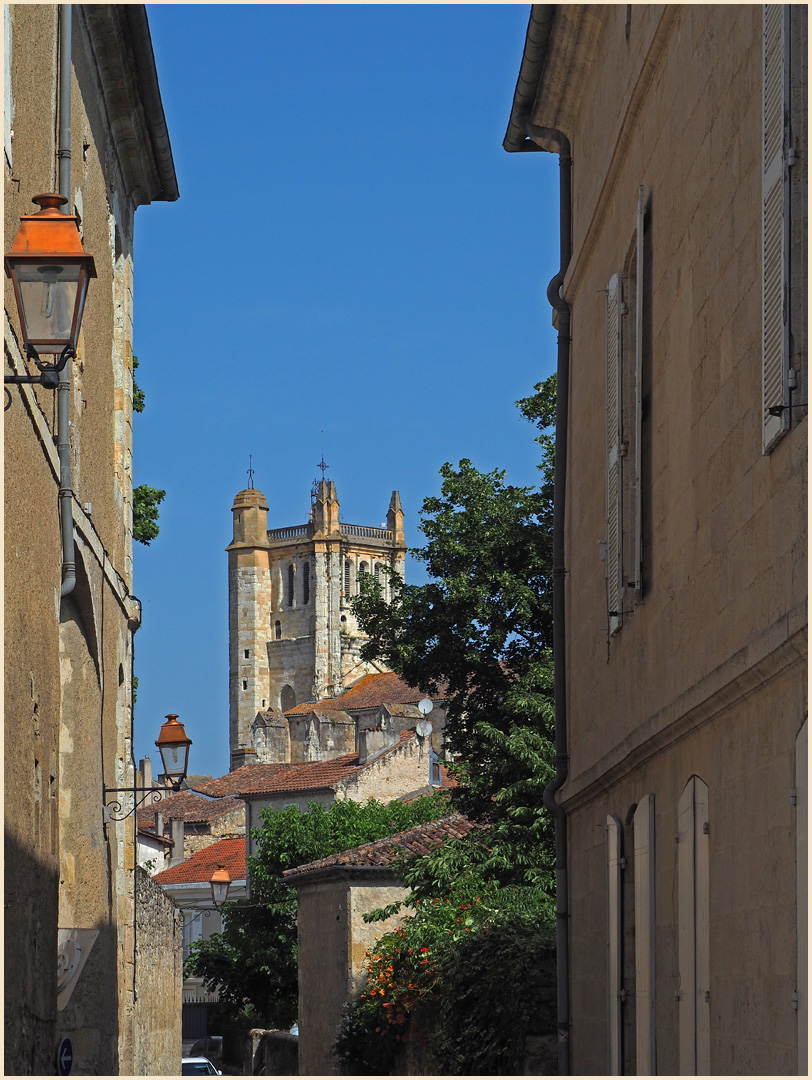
(249, 599)
(293, 637)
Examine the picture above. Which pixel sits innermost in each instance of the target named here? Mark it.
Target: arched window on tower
(363, 568)
(278, 630)
(346, 577)
(306, 583)
(291, 573)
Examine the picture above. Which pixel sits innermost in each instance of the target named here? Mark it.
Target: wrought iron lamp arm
(113, 809)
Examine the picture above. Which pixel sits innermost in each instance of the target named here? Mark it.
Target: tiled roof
(187, 806)
(287, 776)
(416, 841)
(150, 834)
(370, 692)
(201, 865)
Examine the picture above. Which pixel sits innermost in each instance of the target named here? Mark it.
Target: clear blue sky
(353, 252)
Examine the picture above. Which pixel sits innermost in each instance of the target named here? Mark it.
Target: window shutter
(635, 570)
(644, 937)
(693, 947)
(614, 477)
(775, 323)
(613, 946)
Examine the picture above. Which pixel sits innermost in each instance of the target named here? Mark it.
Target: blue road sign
(64, 1057)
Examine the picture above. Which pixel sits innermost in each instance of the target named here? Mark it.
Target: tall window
(363, 568)
(291, 577)
(346, 577)
(278, 630)
(306, 583)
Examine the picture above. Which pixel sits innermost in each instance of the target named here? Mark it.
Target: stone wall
(158, 980)
(333, 939)
(223, 827)
(395, 773)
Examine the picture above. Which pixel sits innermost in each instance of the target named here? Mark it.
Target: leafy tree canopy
(479, 633)
(456, 974)
(145, 513)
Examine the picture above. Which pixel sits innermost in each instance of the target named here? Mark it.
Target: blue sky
(352, 252)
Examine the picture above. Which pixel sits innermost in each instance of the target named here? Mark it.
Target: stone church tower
(292, 635)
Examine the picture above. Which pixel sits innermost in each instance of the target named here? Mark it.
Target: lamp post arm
(113, 808)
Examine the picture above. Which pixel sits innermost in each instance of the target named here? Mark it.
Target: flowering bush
(410, 970)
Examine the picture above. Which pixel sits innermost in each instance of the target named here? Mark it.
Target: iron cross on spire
(322, 464)
(250, 471)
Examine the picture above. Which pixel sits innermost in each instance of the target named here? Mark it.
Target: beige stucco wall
(707, 675)
(333, 939)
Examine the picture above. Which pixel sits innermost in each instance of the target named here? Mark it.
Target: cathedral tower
(292, 634)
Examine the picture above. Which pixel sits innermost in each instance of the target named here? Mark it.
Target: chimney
(176, 829)
(159, 823)
(145, 768)
(242, 755)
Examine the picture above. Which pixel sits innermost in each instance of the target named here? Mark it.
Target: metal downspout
(554, 141)
(559, 637)
(63, 386)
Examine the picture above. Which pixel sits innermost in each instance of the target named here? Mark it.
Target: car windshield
(197, 1068)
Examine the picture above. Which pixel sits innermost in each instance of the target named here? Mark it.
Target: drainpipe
(63, 386)
(526, 136)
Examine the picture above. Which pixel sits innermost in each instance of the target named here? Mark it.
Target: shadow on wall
(33, 1025)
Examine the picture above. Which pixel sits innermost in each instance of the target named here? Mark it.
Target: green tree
(145, 513)
(145, 499)
(253, 962)
(480, 633)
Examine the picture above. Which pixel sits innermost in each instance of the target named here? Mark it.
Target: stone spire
(326, 508)
(394, 518)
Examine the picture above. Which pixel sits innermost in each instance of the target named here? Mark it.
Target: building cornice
(122, 48)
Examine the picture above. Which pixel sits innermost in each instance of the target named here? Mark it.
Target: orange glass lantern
(50, 272)
(174, 743)
(220, 884)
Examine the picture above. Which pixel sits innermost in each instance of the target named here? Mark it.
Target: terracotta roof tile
(200, 866)
(370, 692)
(187, 806)
(416, 841)
(301, 776)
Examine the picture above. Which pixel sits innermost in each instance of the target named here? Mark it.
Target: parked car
(210, 1047)
(198, 1066)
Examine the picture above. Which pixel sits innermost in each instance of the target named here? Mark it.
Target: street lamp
(220, 884)
(50, 272)
(173, 743)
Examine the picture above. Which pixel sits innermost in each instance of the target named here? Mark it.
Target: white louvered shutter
(774, 307)
(614, 461)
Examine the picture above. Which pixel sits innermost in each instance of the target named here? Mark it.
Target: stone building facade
(681, 309)
(292, 633)
(69, 887)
